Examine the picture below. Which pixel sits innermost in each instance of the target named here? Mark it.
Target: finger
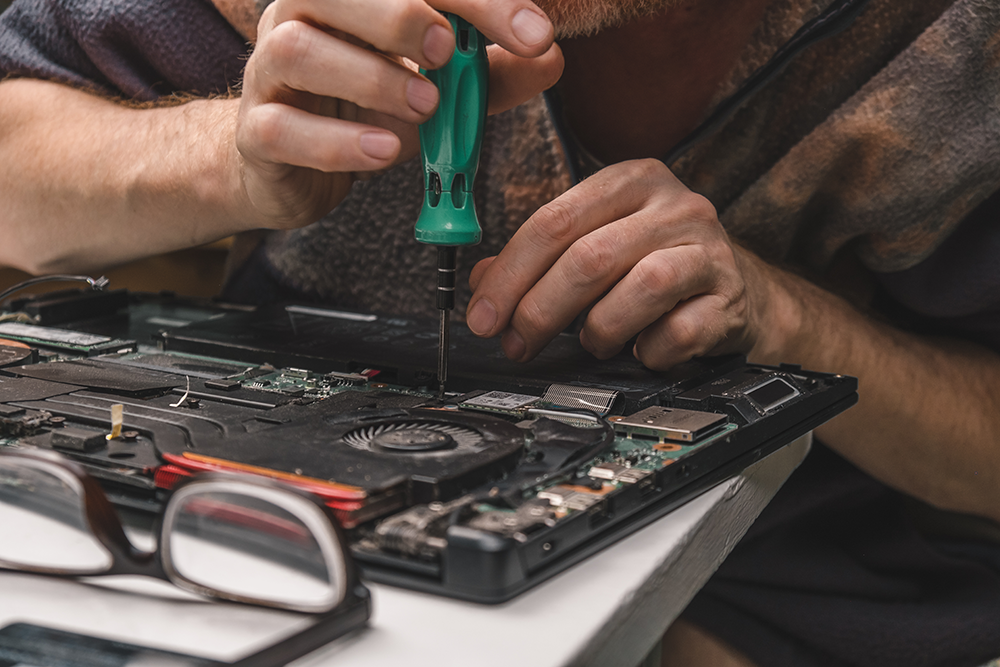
(407, 132)
(692, 329)
(281, 134)
(588, 269)
(409, 28)
(478, 270)
(297, 56)
(515, 80)
(607, 196)
(654, 286)
(517, 25)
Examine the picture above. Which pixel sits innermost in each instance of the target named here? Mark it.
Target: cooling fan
(432, 454)
(410, 437)
(397, 457)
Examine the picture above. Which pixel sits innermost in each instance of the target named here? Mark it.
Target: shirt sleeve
(138, 49)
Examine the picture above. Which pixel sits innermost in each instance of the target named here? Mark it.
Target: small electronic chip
(606, 471)
(633, 475)
(499, 400)
(574, 497)
(658, 424)
(77, 439)
(65, 339)
(616, 472)
(772, 394)
(560, 497)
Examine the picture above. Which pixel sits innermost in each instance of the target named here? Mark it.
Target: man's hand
(331, 92)
(647, 250)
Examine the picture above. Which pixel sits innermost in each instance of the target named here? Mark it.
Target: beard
(578, 18)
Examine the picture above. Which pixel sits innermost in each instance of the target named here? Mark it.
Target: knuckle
(287, 45)
(401, 19)
(531, 317)
(656, 275)
(738, 308)
(604, 333)
(685, 336)
(645, 173)
(693, 206)
(555, 223)
(266, 127)
(377, 80)
(652, 354)
(651, 169)
(590, 259)
(479, 6)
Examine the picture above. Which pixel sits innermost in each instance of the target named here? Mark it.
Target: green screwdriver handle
(451, 140)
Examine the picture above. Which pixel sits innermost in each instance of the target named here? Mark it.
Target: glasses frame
(351, 611)
(312, 513)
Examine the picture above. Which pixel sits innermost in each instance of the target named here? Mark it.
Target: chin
(578, 18)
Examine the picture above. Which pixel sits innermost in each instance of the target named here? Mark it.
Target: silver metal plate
(670, 424)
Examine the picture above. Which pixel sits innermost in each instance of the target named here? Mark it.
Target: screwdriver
(450, 143)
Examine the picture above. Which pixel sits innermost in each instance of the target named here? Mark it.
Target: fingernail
(439, 44)
(530, 28)
(421, 95)
(379, 145)
(482, 318)
(513, 345)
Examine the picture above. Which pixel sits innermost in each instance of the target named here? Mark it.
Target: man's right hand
(331, 93)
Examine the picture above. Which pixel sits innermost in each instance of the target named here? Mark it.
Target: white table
(608, 610)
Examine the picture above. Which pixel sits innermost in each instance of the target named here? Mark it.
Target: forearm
(928, 422)
(87, 182)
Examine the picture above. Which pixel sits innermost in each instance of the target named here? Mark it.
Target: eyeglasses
(231, 536)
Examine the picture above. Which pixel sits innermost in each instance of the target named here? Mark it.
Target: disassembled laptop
(517, 473)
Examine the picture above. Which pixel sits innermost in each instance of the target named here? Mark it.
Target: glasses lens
(252, 546)
(43, 521)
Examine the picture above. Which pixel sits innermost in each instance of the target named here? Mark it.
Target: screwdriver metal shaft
(445, 303)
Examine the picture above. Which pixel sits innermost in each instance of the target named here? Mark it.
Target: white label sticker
(53, 335)
(501, 400)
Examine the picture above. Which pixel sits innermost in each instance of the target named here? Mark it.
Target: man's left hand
(649, 254)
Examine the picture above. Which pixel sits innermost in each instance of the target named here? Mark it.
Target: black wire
(572, 465)
(95, 283)
(510, 492)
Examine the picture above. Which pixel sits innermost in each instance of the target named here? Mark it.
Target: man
(866, 163)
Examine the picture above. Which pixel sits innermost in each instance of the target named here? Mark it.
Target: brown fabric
(878, 140)
(874, 139)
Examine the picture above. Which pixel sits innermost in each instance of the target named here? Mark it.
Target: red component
(167, 476)
(247, 517)
(326, 491)
(345, 501)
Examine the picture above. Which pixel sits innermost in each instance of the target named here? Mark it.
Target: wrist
(230, 178)
(777, 311)
(214, 178)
